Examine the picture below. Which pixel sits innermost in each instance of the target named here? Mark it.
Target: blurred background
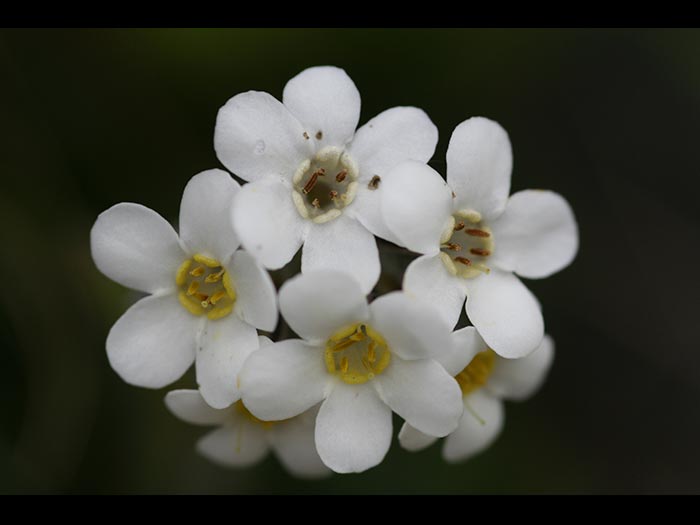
(608, 118)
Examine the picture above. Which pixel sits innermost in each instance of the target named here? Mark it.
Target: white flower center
(466, 244)
(356, 354)
(324, 185)
(205, 287)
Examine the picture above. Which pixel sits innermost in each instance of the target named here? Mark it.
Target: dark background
(608, 118)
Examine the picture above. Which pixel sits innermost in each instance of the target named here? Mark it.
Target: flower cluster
(323, 401)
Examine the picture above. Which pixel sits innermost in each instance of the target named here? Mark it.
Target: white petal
(479, 164)
(422, 393)
(284, 379)
(416, 205)
(136, 247)
(466, 343)
(366, 208)
(411, 328)
(353, 429)
(536, 235)
(414, 440)
(344, 245)
(225, 345)
(256, 297)
(326, 102)
(189, 405)
(293, 443)
(267, 223)
(428, 280)
(153, 343)
(480, 425)
(239, 445)
(505, 313)
(204, 214)
(316, 305)
(256, 136)
(518, 379)
(393, 136)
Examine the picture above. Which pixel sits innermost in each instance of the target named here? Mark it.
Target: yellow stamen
(343, 333)
(357, 336)
(192, 288)
(191, 306)
(215, 277)
(181, 275)
(380, 365)
(342, 345)
(477, 372)
(330, 361)
(217, 296)
(198, 271)
(228, 286)
(371, 351)
(218, 313)
(344, 364)
(206, 261)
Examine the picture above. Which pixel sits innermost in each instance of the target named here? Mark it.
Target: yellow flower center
(241, 409)
(357, 354)
(324, 185)
(466, 244)
(205, 287)
(477, 372)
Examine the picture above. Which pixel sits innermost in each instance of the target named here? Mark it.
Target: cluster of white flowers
(324, 401)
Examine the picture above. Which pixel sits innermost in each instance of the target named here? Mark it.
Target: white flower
(243, 440)
(206, 298)
(485, 381)
(362, 361)
(313, 179)
(474, 238)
